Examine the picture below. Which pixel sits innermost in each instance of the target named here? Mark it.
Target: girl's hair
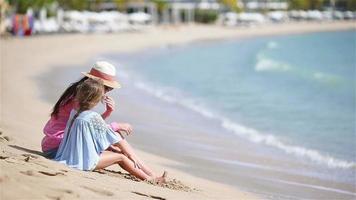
(89, 93)
(67, 96)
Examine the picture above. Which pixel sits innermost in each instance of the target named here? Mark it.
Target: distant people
(22, 25)
(87, 137)
(16, 28)
(55, 127)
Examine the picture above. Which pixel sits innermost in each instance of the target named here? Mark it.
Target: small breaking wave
(267, 64)
(270, 140)
(174, 98)
(272, 45)
(264, 63)
(326, 78)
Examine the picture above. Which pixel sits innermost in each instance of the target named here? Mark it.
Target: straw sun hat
(104, 71)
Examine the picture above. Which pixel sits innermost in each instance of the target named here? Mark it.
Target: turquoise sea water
(294, 93)
(276, 115)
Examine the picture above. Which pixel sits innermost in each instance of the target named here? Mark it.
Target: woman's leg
(130, 150)
(108, 158)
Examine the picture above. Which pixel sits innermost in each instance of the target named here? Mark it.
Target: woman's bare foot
(162, 179)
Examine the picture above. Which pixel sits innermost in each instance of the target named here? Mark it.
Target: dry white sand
(26, 175)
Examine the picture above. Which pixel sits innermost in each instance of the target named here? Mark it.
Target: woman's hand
(127, 128)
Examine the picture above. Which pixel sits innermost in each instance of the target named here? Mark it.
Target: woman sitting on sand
(87, 137)
(54, 128)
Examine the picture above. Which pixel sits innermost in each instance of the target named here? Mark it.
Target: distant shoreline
(222, 32)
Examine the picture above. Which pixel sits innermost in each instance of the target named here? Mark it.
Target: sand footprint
(3, 157)
(51, 173)
(147, 195)
(53, 197)
(62, 196)
(4, 137)
(99, 191)
(28, 157)
(28, 173)
(32, 173)
(66, 191)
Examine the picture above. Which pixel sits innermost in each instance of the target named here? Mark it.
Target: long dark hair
(68, 95)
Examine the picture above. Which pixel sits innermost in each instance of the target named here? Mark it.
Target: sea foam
(264, 63)
(270, 140)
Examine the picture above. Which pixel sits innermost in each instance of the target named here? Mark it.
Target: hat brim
(112, 84)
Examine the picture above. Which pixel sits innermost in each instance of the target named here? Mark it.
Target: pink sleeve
(114, 126)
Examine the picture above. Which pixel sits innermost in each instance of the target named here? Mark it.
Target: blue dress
(87, 138)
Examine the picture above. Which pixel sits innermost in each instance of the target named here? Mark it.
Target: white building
(183, 11)
(255, 5)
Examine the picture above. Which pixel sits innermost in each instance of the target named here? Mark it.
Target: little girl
(87, 137)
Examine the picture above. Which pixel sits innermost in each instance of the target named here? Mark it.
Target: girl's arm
(110, 106)
(106, 114)
(117, 127)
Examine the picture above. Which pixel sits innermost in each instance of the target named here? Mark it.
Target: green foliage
(316, 4)
(306, 4)
(121, 4)
(73, 4)
(96, 4)
(161, 5)
(351, 5)
(206, 16)
(231, 4)
(21, 6)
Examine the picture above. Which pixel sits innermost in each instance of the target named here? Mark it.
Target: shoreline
(41, 54)
(193, 126)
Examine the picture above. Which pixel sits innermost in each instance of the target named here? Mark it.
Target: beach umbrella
(139, 17)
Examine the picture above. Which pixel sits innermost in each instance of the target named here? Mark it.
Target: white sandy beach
(26, 175)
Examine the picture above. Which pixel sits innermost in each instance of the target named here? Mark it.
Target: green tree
(121, 5)
(21, 6)
(298, 4)
(231, 4)
(306, 4)
(315, 4)
(161, 5)
(73, 4)
(97, 4)
(351, 5)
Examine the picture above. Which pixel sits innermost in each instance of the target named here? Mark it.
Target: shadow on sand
(27, 150)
